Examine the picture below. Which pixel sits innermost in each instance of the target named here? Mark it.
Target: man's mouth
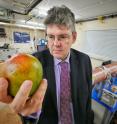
(57, 50)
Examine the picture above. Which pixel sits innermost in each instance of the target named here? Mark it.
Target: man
(61, 34)
(68, 73)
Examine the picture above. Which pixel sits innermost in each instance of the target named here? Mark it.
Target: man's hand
(21, 103)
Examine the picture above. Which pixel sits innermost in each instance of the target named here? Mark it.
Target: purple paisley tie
(65, 95)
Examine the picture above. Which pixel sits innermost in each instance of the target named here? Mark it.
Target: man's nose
(56, 41)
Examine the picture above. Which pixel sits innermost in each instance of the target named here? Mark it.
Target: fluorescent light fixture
(31, 23)
(23, 25)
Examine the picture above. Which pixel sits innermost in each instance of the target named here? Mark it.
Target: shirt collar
(57, 61)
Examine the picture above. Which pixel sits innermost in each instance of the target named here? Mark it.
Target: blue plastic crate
(102, 93)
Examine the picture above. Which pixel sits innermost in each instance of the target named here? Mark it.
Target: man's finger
(3, 88)
(21, 96)
(40, 93)
(36, 100)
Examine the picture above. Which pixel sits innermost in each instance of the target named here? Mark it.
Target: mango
(21, 67)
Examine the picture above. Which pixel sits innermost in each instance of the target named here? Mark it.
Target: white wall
(110, 23)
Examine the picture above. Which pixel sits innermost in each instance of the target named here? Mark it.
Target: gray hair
(61, 16)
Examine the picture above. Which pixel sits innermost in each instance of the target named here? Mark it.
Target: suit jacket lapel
(51, 79)
(75, 84)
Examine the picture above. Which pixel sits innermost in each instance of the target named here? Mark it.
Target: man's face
(60, 39)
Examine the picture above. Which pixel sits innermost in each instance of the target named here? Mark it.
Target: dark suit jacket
(81, 81)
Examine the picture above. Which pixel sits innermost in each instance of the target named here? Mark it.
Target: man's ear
(74, 36)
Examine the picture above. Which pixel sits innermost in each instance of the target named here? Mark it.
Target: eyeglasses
(60, 38)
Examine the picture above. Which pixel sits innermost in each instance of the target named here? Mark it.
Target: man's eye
(51, 37)
(62, 37)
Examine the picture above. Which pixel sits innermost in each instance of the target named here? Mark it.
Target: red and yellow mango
(19, 68)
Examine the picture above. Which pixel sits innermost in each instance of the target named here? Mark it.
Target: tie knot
(64, 65)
